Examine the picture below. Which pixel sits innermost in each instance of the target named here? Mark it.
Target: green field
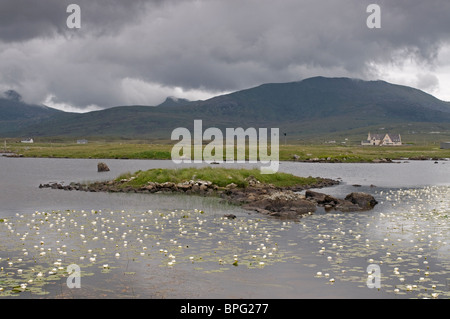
(117, 150)
(140, 150)
(361, 153)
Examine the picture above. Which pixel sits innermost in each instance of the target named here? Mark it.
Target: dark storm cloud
(24, 19)
(137, 51)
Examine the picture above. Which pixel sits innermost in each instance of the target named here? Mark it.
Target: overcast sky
(140, 52)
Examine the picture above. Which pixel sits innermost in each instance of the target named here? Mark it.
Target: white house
(82, 141)
(383, 139)
(27, 140)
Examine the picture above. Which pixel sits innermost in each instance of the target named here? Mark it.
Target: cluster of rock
(283, 204)
(381, 160)
(190, 187)
(355, 201)
(263, 198)
(57, 186)
(297, 158)
(12, 155)
(289, 204)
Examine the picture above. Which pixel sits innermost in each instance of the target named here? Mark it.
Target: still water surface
(172, 246)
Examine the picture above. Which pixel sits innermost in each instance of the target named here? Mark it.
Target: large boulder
(363, 200)
(102, 167)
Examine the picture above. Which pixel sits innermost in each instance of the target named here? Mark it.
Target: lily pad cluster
(36, 249)
(409, 241)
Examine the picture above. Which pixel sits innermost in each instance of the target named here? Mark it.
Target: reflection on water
(173, 246)
(110, 240)
(409, 240)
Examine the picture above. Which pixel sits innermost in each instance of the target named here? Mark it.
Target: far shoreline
(323, 161)
(304, 153)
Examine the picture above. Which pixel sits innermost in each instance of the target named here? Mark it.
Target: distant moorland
(134, 150)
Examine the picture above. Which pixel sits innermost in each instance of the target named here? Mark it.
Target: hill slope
(313, 107)
(16, 116)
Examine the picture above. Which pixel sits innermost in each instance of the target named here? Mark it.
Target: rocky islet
(282, 202)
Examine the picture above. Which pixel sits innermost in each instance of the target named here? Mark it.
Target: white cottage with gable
(27, 141)
(383, 139)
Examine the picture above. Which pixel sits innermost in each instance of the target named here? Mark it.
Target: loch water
(175, 246)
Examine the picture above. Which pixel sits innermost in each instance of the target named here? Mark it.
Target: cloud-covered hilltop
(311, 108)
(139, 52)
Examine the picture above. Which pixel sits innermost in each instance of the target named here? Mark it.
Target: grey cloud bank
(139, 52)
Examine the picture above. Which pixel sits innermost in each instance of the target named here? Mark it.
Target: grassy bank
(93, 150)
(359, 153)
(218, 176)
(121, 150)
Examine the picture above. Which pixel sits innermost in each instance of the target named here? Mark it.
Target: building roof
(394, 137)
(377, 136)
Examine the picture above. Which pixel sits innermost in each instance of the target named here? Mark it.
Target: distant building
(383, 139)
(27, 140)
(445, 145)
(82, 141)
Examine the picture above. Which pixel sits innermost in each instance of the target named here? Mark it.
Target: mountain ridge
(313, 106)
(16, 115)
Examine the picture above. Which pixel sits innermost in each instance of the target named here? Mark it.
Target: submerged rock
(321, 199)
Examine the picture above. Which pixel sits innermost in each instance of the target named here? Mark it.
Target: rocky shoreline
(296, 158)
(282, 202)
